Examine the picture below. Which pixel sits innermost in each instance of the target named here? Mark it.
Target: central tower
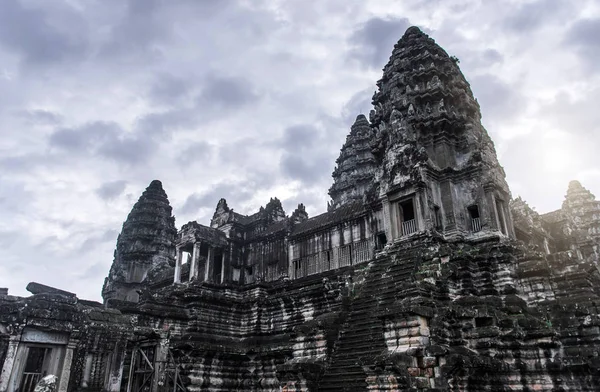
(435, 166)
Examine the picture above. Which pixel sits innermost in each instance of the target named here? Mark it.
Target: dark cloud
(360, 103)
(94, 271)
(235, 193)
(530, 16)
(105, 139)
(582, 36)
(226, 93)
(92, 242)
(41, 117)
(128, 150)
(169, 89)
(299, 136)
(196, 151)
(309, 169)
(85, 136)
(498, 100)
(163, 124)
(111, 190)
(137, 33)
(576, 116)
(374, 40)
(27, 30)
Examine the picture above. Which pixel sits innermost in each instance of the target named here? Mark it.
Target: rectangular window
(475, 218)
(437, 216)
(36, 367)
(298, 268)
(381, 241)
(249, 274)
(407, 217)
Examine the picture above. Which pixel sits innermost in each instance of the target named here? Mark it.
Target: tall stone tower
(583, 211)
(353, 175)
(435, 165)
(147, 242)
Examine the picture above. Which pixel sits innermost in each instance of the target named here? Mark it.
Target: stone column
(11, 354)
(209, 264)
(177, 277)
(87, 371)
(419, 211)
(487, 210)
(65, 373)
(222, 266)
(448, 207)
(116, 367)
(194, 264)
(160, 364)
(387, 220)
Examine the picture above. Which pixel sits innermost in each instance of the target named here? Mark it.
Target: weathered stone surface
(38, 288)
(146, 242)
(398, 286)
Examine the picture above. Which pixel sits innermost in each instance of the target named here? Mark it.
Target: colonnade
(201, 268)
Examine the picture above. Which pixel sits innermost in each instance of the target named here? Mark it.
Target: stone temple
(424, 274)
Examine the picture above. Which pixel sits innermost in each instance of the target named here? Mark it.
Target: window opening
(218, 265)
(437, 215)
(408, 222)
(381, 241)
(36, 367)
(475, 218)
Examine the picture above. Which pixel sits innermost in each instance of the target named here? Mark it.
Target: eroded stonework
(422, 275)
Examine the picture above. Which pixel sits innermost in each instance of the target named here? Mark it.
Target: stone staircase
(362, 338)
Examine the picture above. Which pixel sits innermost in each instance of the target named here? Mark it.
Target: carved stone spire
(273, 211)
(353, 175)
(299, 215)
(428, 147)
(147, 241)
(583, 208)
(425, 114)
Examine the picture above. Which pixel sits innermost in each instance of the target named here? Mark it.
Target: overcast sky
(253, 99)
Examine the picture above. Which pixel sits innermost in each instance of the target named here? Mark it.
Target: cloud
(235, 193)
(84, 137)
(498, 100)
(42, 117)
(374, 40)
(248, 100)
(226, 93)
(307, 169)
(360, 103)
(196, 151)
(27, 31)
(299, 137)
(529, 16)
(111, 190)
(582, 36)
(104, 139)
(169, 89)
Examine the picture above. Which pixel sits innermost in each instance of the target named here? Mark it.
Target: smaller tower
(581, 206)
(299, 215)
(353, 175)
(147, 241)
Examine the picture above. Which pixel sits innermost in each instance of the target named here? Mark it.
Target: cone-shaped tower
(581, 206)
(353, 175)
(436, 166)
(147, 241)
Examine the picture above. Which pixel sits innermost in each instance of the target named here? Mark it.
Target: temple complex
(424, 275)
